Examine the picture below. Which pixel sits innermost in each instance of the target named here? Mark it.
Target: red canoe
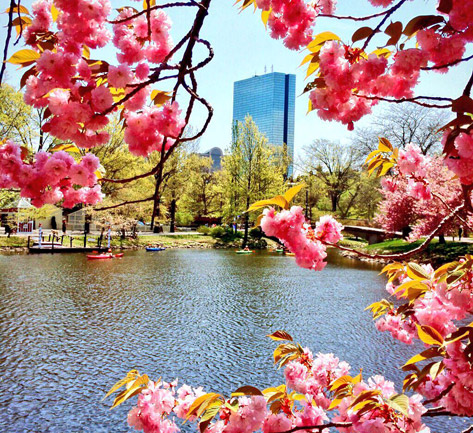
(104, 256)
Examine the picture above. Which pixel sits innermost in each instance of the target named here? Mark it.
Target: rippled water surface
(70, 328)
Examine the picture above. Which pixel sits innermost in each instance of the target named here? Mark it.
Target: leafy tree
(252, 168)
(336, 166)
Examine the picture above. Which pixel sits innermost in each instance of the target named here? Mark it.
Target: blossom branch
(410, 253)
(144, 11)
(365, 18)
(447, 65)
(320, 427)
(416, 100)
(7, 40)
(468, 86)
(388, 13)
(441, 395)
(449, 208)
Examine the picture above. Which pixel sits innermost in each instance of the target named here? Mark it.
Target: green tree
(253, 169)
(336, 166)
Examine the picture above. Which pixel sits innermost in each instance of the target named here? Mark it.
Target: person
(460, 233)
(246, 249)
(53, 223)
(64, 226)
(7, 230)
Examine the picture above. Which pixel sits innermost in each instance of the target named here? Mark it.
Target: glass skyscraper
(270, 100)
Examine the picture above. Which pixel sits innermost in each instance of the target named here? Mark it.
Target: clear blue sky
(243, 47)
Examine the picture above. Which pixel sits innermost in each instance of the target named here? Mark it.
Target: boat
(155, 249)
(290, 254)
(279, 250)
(244, 252)
(104, 256)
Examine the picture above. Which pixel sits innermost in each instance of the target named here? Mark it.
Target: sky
(244, 48)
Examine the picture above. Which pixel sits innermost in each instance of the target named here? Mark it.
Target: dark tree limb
(7, 40)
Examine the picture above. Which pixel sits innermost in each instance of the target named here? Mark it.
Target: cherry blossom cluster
(129, 34)
(354, 80)
(460, 159)
(50, 178)
(146, 130)
(293, 20)
(441, 308)
(80, 94)
(290, 227)
(160, 403)
(411, 195)
(344, 68)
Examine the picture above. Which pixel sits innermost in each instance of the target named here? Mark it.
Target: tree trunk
(173, 216)
(334, 199)
(247, 222)
(156, 202)
(442, 239)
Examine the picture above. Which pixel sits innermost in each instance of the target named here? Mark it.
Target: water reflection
(70, 328)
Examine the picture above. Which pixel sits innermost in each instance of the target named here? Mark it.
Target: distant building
(270, 100)
(216, 154)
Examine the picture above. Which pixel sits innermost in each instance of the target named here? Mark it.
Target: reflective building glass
(270, 100)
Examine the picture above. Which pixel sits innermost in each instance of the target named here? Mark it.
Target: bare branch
(167, 5)
(123, 204)
(416, 100)
(7, 40)
(447, 65)
(388, 13)
(365, 18)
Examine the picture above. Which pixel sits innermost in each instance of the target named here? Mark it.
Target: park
(236, 217)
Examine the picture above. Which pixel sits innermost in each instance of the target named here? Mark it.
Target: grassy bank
(435, 253)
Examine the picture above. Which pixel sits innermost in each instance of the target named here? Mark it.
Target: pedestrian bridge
(371, 234)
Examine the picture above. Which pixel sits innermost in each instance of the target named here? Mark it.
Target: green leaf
(399, 402)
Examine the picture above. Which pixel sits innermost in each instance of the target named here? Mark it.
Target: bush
(225, 234)
(217, 232)
(204, 230)
(256, 233)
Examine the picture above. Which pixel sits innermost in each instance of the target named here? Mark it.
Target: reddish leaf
(421, 22)
(362, 33)
(445, 6)
(395, 31)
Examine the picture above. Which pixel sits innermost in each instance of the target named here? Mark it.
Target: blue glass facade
(270, 100)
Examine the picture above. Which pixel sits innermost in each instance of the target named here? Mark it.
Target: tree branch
(415, 100)
(388, 13)
(446, 65)
(320, 427)
(365, 18)
(123, 204)
(7, 40)
(167, 5)
(407, 254)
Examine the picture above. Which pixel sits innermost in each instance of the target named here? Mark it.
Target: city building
(270, 100)
(216, 154)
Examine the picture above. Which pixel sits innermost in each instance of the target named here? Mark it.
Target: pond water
(70, 328)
